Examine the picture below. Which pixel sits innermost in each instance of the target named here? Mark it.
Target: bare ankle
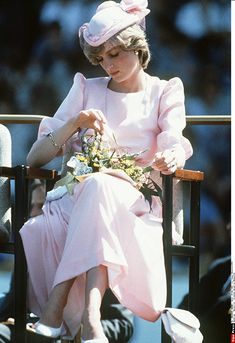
(92, 327)
(51, 317)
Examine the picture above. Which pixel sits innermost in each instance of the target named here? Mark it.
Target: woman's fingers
(98, 115)
(101, 121)
(165, 162)
(101, 116)
(92, 119)
(170, 170)
(99, 126)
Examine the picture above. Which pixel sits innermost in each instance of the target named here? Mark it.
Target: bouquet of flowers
(96, 156)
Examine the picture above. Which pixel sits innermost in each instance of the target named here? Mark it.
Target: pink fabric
(107, 221)
(112, 17)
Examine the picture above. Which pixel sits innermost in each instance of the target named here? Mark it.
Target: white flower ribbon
(56, 193)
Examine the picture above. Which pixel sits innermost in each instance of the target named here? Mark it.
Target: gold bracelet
(52, 139)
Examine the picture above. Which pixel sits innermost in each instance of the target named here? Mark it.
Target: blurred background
(40, 54)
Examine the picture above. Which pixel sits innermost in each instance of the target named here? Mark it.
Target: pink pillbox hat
(112, 17)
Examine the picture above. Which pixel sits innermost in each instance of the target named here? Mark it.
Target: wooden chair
(21, 175)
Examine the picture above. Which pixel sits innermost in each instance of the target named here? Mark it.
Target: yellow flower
(81, 158)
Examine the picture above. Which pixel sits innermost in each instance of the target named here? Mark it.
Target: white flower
(79, 168)
(56, 193)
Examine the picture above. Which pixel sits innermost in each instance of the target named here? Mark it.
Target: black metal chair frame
(21, 175)
(190, 250)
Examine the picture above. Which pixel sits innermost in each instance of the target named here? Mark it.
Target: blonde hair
(131, 38)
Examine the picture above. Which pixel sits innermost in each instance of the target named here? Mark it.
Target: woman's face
(121, 65)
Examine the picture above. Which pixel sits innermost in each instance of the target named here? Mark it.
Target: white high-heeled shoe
(44, 330)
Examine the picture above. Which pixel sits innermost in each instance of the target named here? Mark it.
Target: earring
(136, 52)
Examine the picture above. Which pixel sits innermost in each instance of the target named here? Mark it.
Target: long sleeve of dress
(171, 120)
(72, 104)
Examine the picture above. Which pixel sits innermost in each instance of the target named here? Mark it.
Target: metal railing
(191, 119)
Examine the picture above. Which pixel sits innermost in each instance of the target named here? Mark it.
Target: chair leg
(20, 269)
(195, 241)
(167, 183)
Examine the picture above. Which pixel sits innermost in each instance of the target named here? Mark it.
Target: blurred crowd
(40, 53)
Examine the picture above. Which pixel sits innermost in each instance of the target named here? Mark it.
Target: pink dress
(107, 221)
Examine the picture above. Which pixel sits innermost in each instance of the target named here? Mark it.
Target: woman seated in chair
(104, 233)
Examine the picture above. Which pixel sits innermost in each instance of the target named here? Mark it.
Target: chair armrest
(188, 175)
(30, 173)
(7, 172)
(40, 173)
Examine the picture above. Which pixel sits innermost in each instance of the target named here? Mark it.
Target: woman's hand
(43, 150)
(90, 119)
(165, 162)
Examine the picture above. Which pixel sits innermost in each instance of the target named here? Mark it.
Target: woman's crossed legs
(96, 285)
